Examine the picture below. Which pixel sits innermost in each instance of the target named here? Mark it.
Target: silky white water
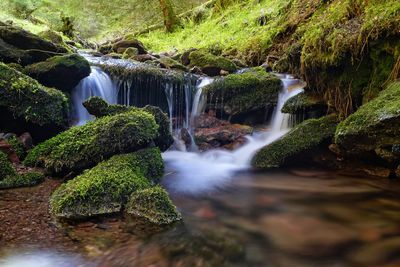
(193, 172)
(98, 83)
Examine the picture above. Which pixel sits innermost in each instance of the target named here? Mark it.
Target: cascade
(98, 83)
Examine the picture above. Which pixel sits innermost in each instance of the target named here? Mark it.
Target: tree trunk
(170, 18)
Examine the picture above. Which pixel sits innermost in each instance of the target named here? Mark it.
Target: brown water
(295, 218)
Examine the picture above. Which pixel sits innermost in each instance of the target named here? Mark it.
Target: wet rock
(186, 137)
(105, 188)
(27, 105)
(61, 72)
(298, 145)
(214, 133)
(98, 140)
(244, 93)
(144, 58)
(196, 70)
(306, 235)
(305, 104)
(154, 206)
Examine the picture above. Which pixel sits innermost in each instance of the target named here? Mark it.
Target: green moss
(6, 168)
(301, 103)
(170, 63)
(17, 146)
(130, 52)
(62, 72)
(106, 188)
(205, 60)
(25, 98)
(22, 180)
(304, 137)
(84, 146)
(97, 107)
(240, 93)
(153, 205)
(374, 124)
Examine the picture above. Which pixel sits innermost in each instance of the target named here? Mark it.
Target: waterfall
(98, 83)
(194, 172)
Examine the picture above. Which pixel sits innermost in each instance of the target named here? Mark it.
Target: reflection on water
(41, 259)
(294, 219)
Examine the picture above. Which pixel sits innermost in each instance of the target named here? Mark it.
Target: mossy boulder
(154, 206)
(169, 63)
(210, 64)
(82, 147)
(22, 180)
(252, 90)
(97, 107)
(105, 188)
(130, 52)
(304, 103)
(297, 145)
(121, 46)
(61, 72)
(29, 106)
(373, 125)
(23, 47)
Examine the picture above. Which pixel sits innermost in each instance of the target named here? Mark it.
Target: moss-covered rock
(130, 52)
(20, 46)
(210, 64)
(61, 72)
(22, 180)
(97, 107)
(304, 138)
(6, 168)
(252, 90)
(154, 206)
(303, 104)
(107, 187)
(169, 63)
(82, 147)
(24, 102)
(373, 125)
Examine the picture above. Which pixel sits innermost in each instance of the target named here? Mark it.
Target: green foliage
(106, 187)
(304, 137)
(251, 90)
(373, 124)
(84, 146)
(6, 168)
(18, 147)
(25, 98)
(22, 180)
(153, 204)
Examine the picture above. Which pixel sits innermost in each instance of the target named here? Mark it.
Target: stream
(232, 215)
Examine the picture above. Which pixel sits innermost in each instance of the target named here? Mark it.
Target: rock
(97, 107)
(246, 92)
(114, 55)
(186, 137)
(305, 104)
(130, 52)
(306, 235)
(98, 140)
(26, 140)
(210, 64)
(52, 36)
(297, 145)
(7, 148)
(154, 206)
(169, 63)
(27, 105)
(215, 133)
(121, 46)
(223, 73)
(185, 56)
(61, 72)
(196, 70)
(105, 49)
(145, 57)
(105, 188)
(373, 125)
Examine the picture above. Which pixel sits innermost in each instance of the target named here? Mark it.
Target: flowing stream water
(232, 215)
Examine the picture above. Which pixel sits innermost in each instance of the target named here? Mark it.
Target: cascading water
(195, 172)
(98, 83)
